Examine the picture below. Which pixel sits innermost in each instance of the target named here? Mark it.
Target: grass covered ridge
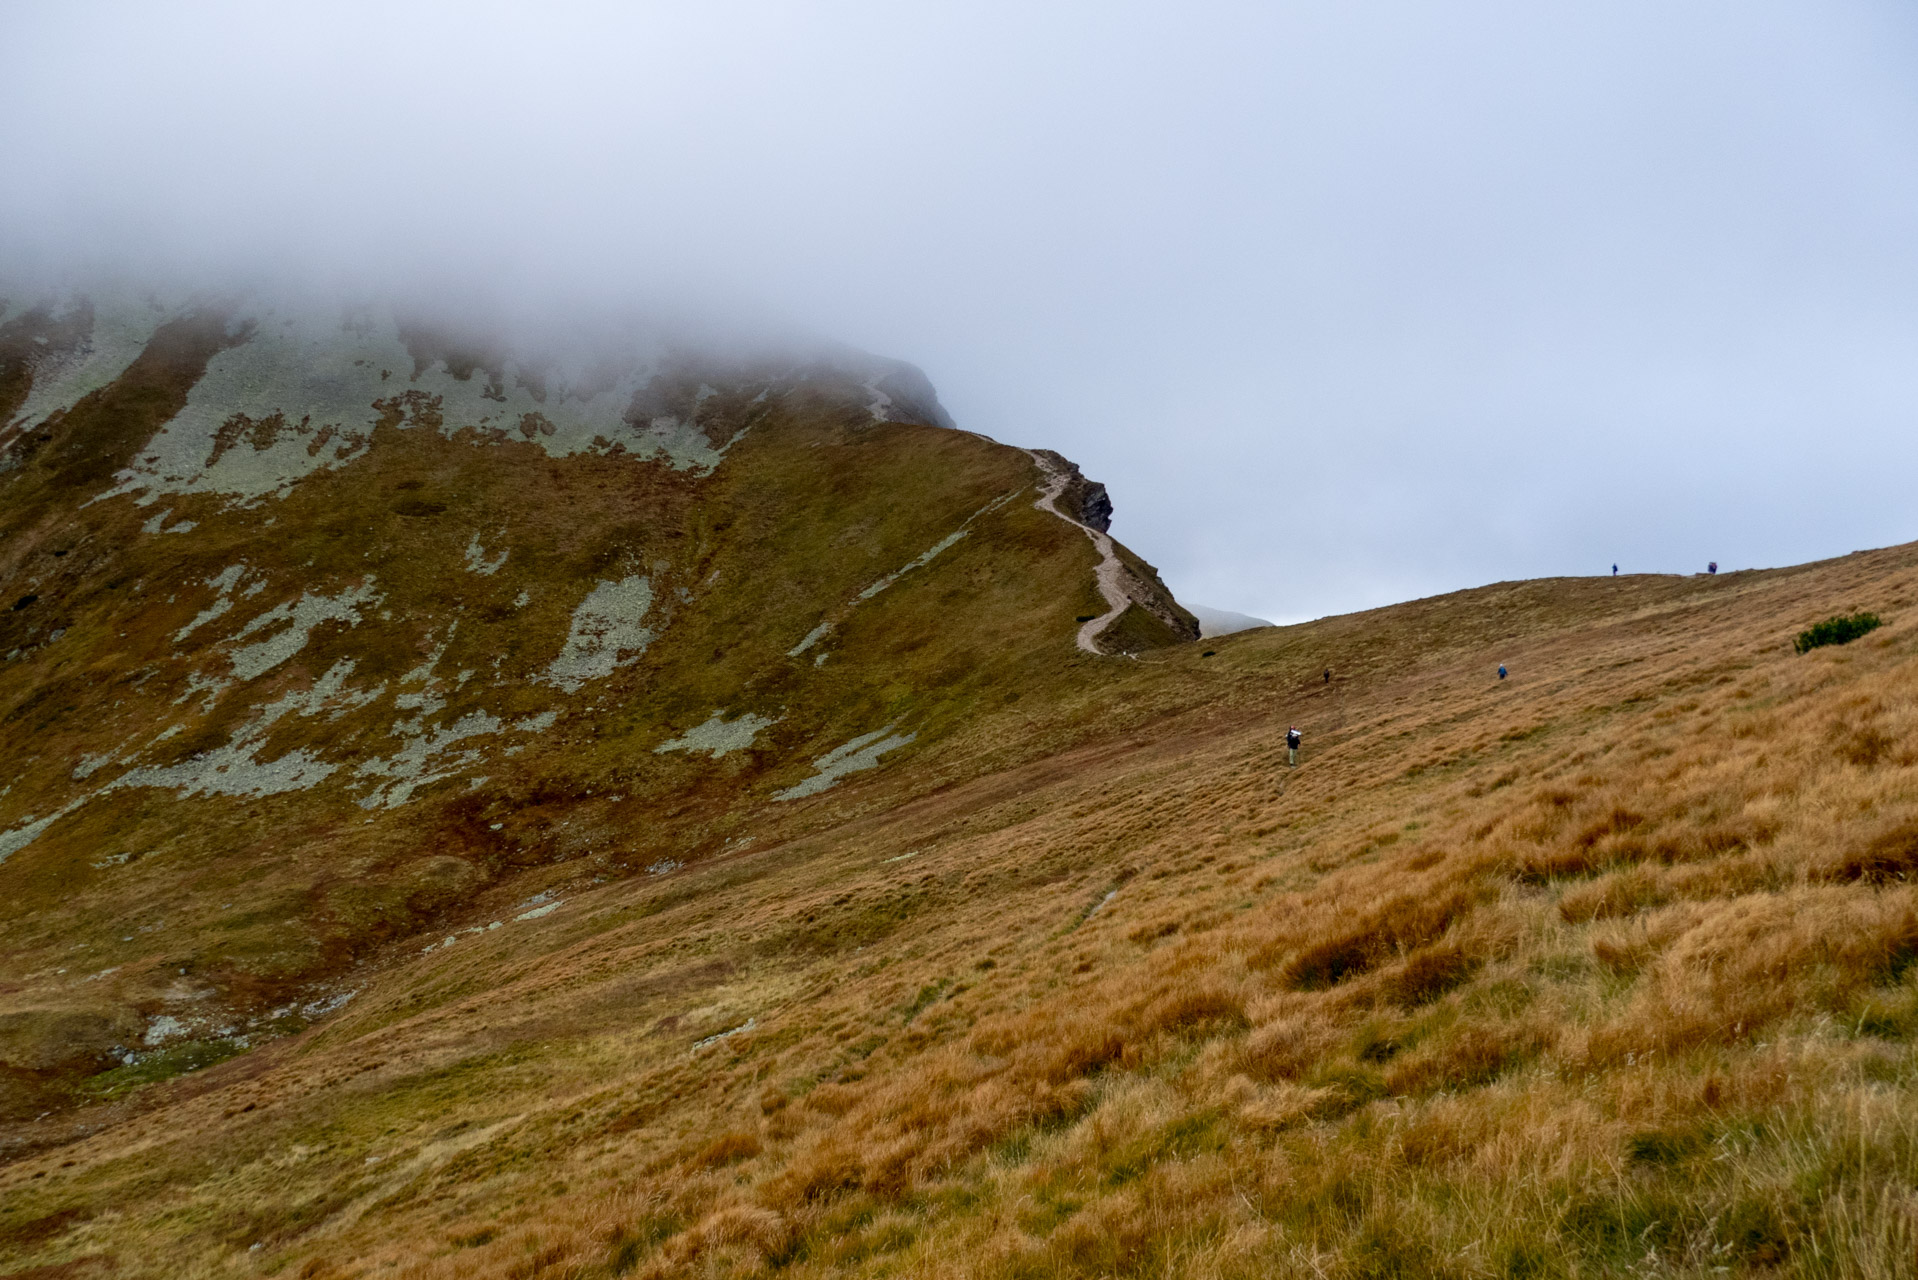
(241, 913)
(1602, 970)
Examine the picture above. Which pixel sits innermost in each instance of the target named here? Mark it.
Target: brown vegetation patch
(1889, 856)
(727, 1148)
(1430, 972)
(1362, 940)
(1470, 1055)
(1622, 893)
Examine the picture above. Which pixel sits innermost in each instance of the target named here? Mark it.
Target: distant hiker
(1501, 670)
(1712, 567)
(1614, 571)
(1292, 744)
(1328, 675)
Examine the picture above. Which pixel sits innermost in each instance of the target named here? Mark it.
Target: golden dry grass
(1605, 970)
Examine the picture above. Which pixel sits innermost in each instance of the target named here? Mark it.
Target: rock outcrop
(1140, 612)
(1079, 499)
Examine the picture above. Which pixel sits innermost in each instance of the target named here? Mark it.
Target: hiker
(1292, 744)
(1614, 571)
(1328, 675)
(1501, 670)
(1712, 567)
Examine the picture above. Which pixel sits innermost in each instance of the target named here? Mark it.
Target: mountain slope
(1604, 969)
(1603, 964)
(323, 632)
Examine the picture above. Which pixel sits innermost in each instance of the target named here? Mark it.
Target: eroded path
(1109, 572)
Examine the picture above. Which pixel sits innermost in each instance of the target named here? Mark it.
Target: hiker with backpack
(1292, 744)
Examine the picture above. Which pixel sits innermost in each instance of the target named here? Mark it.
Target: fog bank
(1344, 304)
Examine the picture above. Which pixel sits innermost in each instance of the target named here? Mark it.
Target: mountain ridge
(710, 850)
(1154, 959)
(278, 564)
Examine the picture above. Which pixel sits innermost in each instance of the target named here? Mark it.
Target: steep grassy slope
(1602, 970)
(324, 638)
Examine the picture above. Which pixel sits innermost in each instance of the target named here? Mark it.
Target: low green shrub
(1840, 629)
(158, 1065)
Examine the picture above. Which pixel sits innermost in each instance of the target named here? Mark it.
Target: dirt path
(1109, 571)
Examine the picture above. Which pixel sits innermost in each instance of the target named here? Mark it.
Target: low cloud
(1344, 304)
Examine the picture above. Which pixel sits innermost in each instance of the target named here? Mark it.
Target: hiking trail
(1110, 570)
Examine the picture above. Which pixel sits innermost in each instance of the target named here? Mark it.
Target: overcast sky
(1345, 302)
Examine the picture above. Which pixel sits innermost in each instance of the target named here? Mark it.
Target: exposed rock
(909, 394)
(1141, 612)
(1081, 500)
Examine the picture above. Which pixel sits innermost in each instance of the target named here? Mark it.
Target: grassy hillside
(1602, 970)
(323, 640)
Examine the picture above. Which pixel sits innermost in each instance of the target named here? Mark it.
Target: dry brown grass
(1603, 971)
